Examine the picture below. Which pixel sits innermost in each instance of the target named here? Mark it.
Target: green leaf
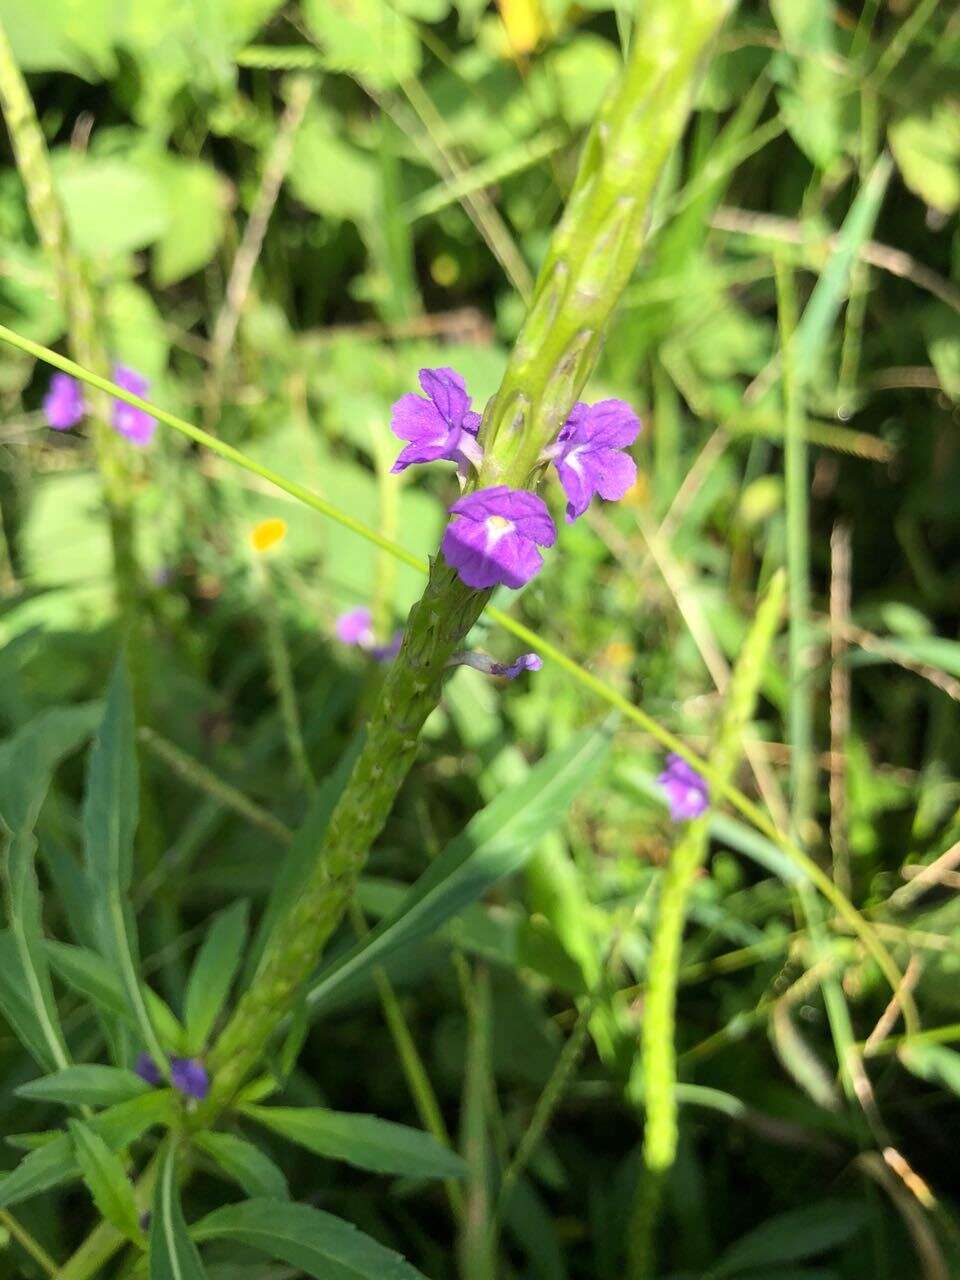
(927, 150)
(29, 758)
(213, 973)
(48, 1166)
(244, 1164)
(368, 39)
(933, 1062)
(495, 843)
(365, 1141)
(795, 1235)
(172, 1254)
(196, 203)
(112, 205)
(313, 1241)
(90, 975)
(85, 1085)
(329, 175)
(110, 812)
(136, 331)
(26, 931)
(17, 1006)
(104, 1174)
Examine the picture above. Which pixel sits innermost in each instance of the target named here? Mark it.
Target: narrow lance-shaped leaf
(173, 1255)
(315, 1242)
(88, 1084)
(103, 1172)
(26, 929)
(495, 843)
(244, 1164)
(111, 808)
(365, 1141)
(213, 973)
(27, 762)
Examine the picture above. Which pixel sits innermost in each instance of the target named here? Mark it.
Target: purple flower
(131, 422)
(147, 1069)
(526, 662)
(356, 627)
(63, 404)
(494, 535)
(687, 793)
(482, 662)
(189, 1075)
(442, 425)
(588, 453)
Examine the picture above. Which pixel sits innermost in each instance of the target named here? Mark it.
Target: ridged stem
(595, 248)
(659, 1010)
(593, 253)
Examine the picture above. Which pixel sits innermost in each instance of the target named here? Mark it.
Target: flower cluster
(356, 628)
(495, 533)
(187, 1075)
(64, 405)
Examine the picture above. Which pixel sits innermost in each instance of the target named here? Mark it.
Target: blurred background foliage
(378, 181)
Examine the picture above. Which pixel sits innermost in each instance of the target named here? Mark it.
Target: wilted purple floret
(147, 1069)
(356, 627)
(189, 1075)
(687, 793)
(63, 405)
(438, 425)
(133, 423)
(510, 671)
(588, 453)
(494, 534)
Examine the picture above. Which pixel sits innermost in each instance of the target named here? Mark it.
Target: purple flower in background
(589, 453)
(188, 1075)
(687, 793)
(147, 1069)
(63, 405)
(438, 425)
(133, 423)
(494, 535)
(356, 628)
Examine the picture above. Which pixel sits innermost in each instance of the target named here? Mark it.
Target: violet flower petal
(440, 426)
(686, 791)
(355, 627)
(189, 1075)
(588, 454)
(63, 405)
(137, 425)
(494, 534)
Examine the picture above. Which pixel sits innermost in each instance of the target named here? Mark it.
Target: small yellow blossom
(267, 534)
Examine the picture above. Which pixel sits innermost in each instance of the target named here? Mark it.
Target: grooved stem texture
(592, 255)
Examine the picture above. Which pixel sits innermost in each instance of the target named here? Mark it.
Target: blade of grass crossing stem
(800, 705)
(659, 1061)
(541, 644)
(110, 812)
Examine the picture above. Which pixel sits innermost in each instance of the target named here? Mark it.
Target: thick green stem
(436, 627)
(594, 252)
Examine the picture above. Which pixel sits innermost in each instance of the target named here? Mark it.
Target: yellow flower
(524, 24)
(267, 534)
